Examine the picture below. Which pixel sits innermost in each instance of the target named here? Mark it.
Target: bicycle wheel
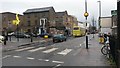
(104, 50)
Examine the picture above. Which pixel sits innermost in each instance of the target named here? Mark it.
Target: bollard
(31, 39)
(10, 38)
(4, 42)
(86, 42)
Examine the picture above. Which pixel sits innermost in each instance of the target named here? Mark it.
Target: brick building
(39, 20)
(61, 20)
(7, 18)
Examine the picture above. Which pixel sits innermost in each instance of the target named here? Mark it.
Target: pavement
(72, 53)
(14, 44)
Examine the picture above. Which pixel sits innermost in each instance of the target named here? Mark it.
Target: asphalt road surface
(59, 54)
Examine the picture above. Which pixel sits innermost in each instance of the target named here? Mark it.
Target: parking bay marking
(65, 52)
(40, 48)
(24, 49)
(50, 50)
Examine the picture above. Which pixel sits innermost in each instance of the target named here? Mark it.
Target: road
(55, 55)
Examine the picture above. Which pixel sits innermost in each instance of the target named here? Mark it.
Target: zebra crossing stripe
(57, 62)
(65, 52)
(24, 49)
(40, 48)
(50, 50)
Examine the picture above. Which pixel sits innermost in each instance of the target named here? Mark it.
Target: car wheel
(65, 40)
(53, 40)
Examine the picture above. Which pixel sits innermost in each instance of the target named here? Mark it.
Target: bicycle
(105, 50)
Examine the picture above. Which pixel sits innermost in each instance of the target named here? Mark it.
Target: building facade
(72, 21)
(7, 18)
(39, 20)
(61, 20)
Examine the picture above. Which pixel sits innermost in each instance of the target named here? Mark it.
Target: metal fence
(114, 49)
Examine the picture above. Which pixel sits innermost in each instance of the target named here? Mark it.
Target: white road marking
(57, 65)
(80, 45)
(6, 56)
(30, 58)
(50, 50)
(17, 56)
(46, 60)
(57, 62)
(40, 48)
(24, 49)
(65, 52)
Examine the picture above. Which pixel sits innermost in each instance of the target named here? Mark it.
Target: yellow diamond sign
(17, 21)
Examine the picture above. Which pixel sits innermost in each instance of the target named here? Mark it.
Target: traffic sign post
(16, 22)
(86, 15)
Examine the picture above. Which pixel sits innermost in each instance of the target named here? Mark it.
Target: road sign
(114, 12)
(17, 21)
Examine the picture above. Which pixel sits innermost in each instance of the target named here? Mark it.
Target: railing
(114, 49)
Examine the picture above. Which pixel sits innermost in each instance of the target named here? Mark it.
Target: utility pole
(93, 27)
(86, 15)
(99, 15)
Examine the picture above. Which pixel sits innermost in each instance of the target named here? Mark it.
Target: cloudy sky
(74, 7)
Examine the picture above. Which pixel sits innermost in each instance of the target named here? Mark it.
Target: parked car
(11, 34)
(42, 35)
(21, 35)
(59, 38)
(1, 38)
(32, 34)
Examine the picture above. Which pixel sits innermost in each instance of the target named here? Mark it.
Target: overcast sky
(74, 7)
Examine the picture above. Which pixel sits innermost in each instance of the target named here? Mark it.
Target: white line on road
(45, 60)
(6, 56)
(80, 45)
(57, 62)
(40, 48)
(65, 52)
(24, 49)
(17, 56)
(30, 58)
(50, 50)
(57, 65)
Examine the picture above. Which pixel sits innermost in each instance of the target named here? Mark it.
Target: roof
(34, 10)
(61, 13)
(10, 13)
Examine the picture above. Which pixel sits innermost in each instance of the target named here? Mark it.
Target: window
(29, 24)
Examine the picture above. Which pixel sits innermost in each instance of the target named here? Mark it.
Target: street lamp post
(86, 15)
(17, 33)
(99, 14)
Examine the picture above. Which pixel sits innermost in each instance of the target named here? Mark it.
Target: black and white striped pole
(86, 15)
